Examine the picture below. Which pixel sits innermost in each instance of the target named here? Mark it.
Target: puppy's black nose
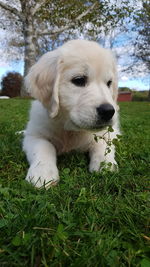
(105, 112)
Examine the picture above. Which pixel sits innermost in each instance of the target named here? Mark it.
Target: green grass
(88, 219)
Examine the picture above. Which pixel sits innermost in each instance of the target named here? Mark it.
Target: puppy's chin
(71, 126)
(96, 127)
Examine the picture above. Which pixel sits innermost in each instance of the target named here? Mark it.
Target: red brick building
(124, 96)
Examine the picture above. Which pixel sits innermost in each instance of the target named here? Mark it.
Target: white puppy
(76, 86)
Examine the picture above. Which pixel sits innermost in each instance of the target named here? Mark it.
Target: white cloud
(124, 78)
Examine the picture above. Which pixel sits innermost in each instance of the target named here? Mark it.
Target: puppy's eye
(109, 83)
(79, 81)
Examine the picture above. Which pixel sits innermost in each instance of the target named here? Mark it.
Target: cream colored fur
(63, 118)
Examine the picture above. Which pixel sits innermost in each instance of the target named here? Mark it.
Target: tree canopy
(142, 43)
(43, 24)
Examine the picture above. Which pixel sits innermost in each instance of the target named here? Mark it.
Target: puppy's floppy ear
(42, 81)
(115, 89)
(115, 79)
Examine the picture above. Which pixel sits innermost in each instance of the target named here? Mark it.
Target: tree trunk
(30, 51)
(30, 46)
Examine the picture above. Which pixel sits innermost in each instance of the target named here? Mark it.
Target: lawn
(90, 220)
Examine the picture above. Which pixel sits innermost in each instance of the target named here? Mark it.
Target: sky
(122, 45)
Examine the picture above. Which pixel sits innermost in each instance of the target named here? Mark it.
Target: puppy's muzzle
(105, 112)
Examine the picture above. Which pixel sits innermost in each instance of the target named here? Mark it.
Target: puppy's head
(78, 80)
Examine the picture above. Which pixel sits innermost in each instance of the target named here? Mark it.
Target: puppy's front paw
(110, 166)
(42, 175)
(96, 166)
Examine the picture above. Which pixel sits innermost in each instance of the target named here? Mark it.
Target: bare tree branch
(57, 31)
(86, 12)
(12, 10)
(37, 7)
